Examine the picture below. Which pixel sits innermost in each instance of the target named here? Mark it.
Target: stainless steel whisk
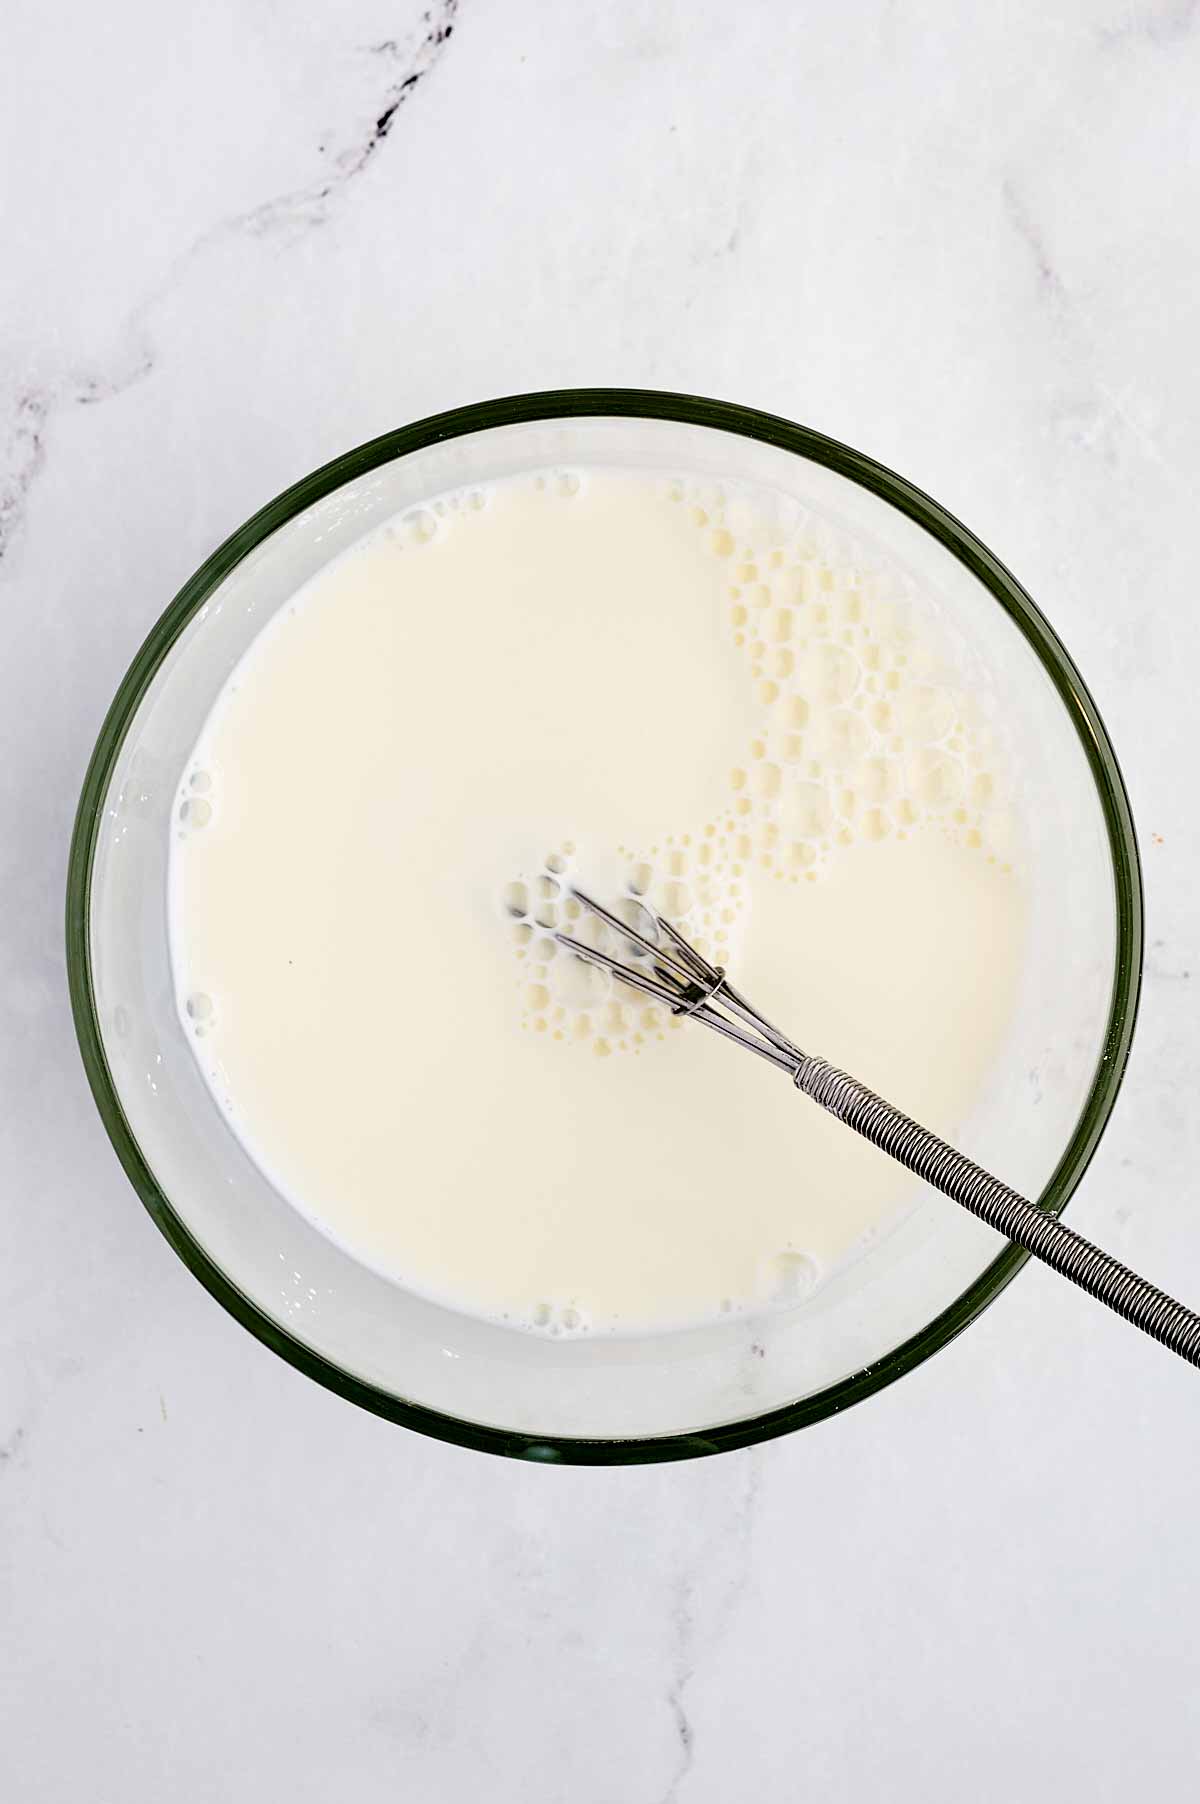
(671, 971)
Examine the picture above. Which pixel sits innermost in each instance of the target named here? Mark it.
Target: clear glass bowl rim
(1008, 594)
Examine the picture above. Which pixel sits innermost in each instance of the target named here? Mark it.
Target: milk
(694, 698)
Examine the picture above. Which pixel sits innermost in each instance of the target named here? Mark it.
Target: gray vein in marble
(311, 205)
(683, 1623)
(731, 1551)
(24, 454)
(1159, 25)
(1099, 418)
(731, 213)
(1143, 437)
(23, 458)
(10, 1448)
(1093, 417)
(1096, 420)
(1163, 969)
(89, 389)
(1031, 235)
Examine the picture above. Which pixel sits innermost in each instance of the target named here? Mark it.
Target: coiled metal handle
(1003, 1209)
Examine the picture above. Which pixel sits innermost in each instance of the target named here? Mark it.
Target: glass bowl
(600, 1399)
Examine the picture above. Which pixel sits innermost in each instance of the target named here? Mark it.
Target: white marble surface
(963, 238)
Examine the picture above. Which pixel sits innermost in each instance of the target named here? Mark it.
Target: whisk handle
(1003, 1209)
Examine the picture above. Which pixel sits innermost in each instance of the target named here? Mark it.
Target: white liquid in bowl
(668, 690)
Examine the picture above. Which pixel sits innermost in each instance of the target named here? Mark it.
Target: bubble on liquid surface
(937, 778)
(827, 673)
(200, 1011)
(806, 810)
(791, 1277)
(768, 781)
(925, 713)
(877, 780)
(559, 1318)
(839, 738)
(419, 526)
(676, 902)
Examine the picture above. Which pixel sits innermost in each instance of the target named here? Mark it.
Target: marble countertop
(240, 238)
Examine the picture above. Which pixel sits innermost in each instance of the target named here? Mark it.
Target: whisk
(663, 965)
